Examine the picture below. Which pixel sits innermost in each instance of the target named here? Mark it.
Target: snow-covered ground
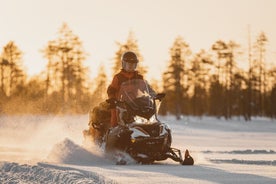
(51, 149)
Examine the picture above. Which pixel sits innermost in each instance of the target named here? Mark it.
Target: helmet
(130, 57)
(129, 61)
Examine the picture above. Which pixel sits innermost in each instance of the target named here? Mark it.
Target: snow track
(46, 173)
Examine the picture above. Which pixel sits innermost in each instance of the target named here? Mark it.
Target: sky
(155, 23)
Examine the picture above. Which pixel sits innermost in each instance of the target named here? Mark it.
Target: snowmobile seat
(99, 117)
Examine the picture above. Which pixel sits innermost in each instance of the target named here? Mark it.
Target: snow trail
(43, 173)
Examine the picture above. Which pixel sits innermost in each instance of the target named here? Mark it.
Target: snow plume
(33, 138)
(70, 153)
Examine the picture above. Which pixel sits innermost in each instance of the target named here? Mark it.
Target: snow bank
(247, 151)
(250, 162)
(43, 173)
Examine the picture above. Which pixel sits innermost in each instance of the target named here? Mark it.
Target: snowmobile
(139, 132)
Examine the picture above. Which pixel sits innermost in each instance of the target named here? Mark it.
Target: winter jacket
(118, 79)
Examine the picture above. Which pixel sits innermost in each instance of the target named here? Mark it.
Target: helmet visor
(129, 67)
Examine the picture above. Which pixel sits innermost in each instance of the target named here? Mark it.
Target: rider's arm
(113, 88)
(151, 91)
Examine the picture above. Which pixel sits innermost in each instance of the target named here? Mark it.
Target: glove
(112, 102)
(160, 96)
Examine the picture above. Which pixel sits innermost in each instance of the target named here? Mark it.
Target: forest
(207, 83)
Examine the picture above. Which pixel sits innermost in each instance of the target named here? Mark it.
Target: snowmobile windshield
(139, 97)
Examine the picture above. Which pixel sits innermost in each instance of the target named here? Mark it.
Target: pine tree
(259, 72)
(175, 79)
(226, 71)
(3, 68)
(66, 74)
(99, 94)
(216, 99)
(200, 67)
(12, 73)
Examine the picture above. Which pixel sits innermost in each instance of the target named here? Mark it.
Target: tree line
(64, 85)
(211, 83)
(203, 83)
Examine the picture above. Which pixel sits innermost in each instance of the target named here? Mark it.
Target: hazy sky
(155, 23)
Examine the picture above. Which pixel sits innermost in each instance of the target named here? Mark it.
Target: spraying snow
(68, 152)
(31, 138)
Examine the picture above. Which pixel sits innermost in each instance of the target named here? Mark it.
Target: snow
(51, 149)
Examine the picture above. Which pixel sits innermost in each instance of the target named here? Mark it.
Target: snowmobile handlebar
(160, 96)
(114, 102)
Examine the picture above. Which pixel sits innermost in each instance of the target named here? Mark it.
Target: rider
(129, 64)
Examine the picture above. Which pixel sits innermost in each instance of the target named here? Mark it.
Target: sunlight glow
(99, 24)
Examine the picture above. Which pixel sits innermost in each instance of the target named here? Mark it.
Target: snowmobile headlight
(165, 140)
(161, 130)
